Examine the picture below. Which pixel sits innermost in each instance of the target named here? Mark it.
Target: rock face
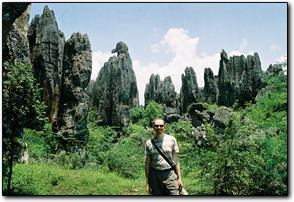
(115, 90)
(189, 91)
(46, 48)
(10, 12)
(238, 79)
(210, 91)
(15, 42)
(74, 101)
(163, 92)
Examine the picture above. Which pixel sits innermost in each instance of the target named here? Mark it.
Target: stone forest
(232, 132)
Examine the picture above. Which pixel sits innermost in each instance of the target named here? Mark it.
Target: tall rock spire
(115, 89)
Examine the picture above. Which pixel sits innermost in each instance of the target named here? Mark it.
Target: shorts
(163, 183)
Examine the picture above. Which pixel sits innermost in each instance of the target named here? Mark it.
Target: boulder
(222, 116)
(115, 89)
(199, 135)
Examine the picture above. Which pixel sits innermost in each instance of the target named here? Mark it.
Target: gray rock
(162, 92)
(199, 115)
(115, 89)
(152, 90)
(210, 91)
(222, 116)
(46, 50)
(189, 91)
(274, 69)
(16, 45)
(10, 12)
(238, 79)
(74, 100)
(199, 135)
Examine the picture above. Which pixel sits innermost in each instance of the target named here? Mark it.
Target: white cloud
(244, 44)
(98, 60)
(275, 47)
(183, 47)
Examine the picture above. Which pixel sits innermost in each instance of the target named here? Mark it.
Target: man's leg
(172, 187)
(155, 183)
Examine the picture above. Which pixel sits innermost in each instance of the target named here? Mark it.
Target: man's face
(159, 126)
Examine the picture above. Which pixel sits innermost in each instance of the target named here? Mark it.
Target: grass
(49, 179)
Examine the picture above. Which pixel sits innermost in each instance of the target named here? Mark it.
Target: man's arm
(147, 169)
(178, 170)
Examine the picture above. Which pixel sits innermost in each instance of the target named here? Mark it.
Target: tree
(153, 111)
(21, 109)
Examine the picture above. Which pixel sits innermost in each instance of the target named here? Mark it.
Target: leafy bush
(250, 157)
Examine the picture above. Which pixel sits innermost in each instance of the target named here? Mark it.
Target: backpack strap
(163, 155)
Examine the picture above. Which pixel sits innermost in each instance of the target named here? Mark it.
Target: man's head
(159, 125)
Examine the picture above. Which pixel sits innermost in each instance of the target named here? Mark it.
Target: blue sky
(164, 38)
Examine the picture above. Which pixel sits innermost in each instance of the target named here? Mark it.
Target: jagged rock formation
(189, 91)
(210, 91)
(163, 92)
(46, 48)
(115, 90)
(15, 42)
(152, 89)
(238, 79)
(10, 12)
(74, 101)
(274, 69)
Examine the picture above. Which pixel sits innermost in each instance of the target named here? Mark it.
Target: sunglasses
(157, 126)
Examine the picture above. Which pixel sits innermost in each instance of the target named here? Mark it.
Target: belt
(161, 171)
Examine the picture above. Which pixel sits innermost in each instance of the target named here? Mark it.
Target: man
(160, 177)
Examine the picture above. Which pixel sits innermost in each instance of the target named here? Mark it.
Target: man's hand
(148, 189)
(180, 184)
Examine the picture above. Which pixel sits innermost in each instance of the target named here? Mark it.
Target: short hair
(158, 119)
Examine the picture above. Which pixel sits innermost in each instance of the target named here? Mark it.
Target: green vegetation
(248, 158)
(21, 109)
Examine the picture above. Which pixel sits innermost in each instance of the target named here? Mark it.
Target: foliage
(49, 179)
(250, 157)
(126, 158)
(145, 117)
(100, 141)
(42, 145)
(21, 108)
(153, 111)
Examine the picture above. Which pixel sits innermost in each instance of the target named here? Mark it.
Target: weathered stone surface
(10, 12)
(199, 114)
(221, 117)
(74, 101)
(250, 81)
(210, 91)
(46, 50)
(115, 89)
(238, 79)
(199, 135)
(274, 69)
(152, 90)
(16, 45)
(162, 92)
(189, 91)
